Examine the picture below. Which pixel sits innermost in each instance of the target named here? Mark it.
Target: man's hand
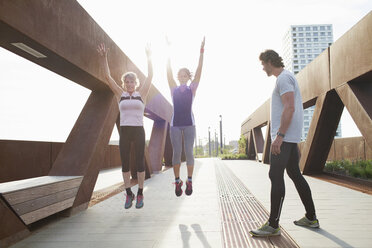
(275, 146)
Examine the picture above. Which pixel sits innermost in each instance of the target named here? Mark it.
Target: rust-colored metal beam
(357, 97)
(157, 144)
(327, 114)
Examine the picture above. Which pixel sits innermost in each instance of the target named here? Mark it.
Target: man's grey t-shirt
(286, 82)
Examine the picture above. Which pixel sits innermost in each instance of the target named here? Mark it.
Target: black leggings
(287, 159)
(135, 134)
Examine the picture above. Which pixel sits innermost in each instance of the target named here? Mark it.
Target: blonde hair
(130, 75)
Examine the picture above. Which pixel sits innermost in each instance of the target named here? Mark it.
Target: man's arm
(285, 120)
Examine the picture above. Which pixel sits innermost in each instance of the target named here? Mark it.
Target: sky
(36, 104)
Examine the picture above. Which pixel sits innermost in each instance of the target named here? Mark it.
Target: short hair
(272, 57)
(185, 70)
(130, 75)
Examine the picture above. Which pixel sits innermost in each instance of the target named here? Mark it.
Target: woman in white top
(132, 106)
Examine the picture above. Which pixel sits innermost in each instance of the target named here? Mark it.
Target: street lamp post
(221, 132)
(209, 137)
(216, 141)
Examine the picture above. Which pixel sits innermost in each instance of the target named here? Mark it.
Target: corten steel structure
(67, 36)
(340, 76)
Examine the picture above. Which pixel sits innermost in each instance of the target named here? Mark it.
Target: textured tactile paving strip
(241, 212)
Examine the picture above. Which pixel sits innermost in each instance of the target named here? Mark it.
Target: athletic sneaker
(128, 201)
(306, 222)
(265, 231)
(188, 190)
(139, 202)
(179, 188)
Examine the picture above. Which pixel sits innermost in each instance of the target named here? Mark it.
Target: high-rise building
(301, 45)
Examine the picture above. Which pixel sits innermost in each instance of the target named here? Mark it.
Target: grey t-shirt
(286, 82)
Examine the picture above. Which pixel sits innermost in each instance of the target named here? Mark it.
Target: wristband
(280, 134)
(201, 50)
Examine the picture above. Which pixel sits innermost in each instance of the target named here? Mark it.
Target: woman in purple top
(183, 122)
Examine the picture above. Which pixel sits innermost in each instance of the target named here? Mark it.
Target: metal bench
(36, 198)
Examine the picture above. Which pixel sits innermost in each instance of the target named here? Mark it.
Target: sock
(177, 180)
(189, 179)
(140, 191)
(311, 217)
(274, 224)
(129, 191)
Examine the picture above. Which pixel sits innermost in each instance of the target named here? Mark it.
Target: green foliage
(242, 144)
(358, 168)
(234, 156)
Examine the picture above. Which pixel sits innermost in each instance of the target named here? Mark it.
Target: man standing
(286, 128)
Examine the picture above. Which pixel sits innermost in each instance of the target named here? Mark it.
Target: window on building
(306, 117)
(306, 123)
(295, 45)
(295, 50)
(295, 61)
(302, 50)
(309, 60)
(322, 28)
(294, 40)
(308, 34)
(300, 29)
(301, 34)
(294, 34)
(308, 39)
(293, 29)
(308, 50)
(302, 56)
(316, 39)
(329, 44)
(303, 61)
(329, 33)
(302, 45)
(315, 28)
(309, 55)
(308, 44)
(301, 39)
(296, 67)
(329, 27)
(322, 33)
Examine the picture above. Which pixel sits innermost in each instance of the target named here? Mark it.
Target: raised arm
(144, 90)
(171, 82)
(116, 89)
(200, 65)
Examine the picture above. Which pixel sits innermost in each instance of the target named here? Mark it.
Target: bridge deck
(218, 214)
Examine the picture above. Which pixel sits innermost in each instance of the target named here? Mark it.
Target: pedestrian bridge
(229, 199)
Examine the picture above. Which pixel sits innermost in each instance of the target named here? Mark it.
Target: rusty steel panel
(258, 118)
(351, 99)
(368, 151)
(327, 114)
(314, 79)
(24, 159)
(349, 148)
(168, 150)
(15, 228)
(332, 152)
(115, 160)
(351, 54)
(157, 144)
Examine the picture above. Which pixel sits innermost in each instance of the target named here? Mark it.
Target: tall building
(302, 44)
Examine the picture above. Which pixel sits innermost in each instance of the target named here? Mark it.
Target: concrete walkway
(195, 221)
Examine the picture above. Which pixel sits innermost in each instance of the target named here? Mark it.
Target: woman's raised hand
(101, 49)
(202, 44)
(148, 50)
